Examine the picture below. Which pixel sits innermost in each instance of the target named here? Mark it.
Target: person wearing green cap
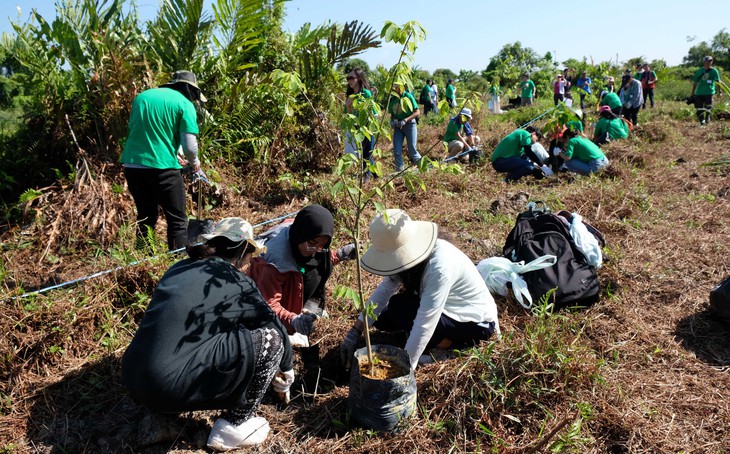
(162, 121)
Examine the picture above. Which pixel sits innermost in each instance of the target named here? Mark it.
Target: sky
(467, 35)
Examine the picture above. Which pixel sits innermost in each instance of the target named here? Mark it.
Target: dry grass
(647, 368)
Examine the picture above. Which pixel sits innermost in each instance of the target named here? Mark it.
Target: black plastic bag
(720, 299)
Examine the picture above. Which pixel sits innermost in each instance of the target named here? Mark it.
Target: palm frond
(180, 28)
(353, 39)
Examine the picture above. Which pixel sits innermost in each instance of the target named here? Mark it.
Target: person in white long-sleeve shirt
(429, 288)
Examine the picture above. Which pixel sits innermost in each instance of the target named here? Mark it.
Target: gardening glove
(401, 124)
(348, 346)
(393, 123)
(282, 381)
(303, 323)
(346, 252)
(557, 151)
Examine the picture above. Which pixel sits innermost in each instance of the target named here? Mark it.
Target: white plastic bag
(498, 271)
(540, 152)
(586, 242)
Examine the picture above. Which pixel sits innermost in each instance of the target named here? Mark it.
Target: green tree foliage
(352, 63)
(719, 49)
(513, 60)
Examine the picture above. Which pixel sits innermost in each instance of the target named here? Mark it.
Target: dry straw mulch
(662, 357)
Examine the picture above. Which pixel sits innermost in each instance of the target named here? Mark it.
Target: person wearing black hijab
(295, 268)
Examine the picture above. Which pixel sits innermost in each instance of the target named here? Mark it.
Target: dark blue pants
(401, 312)
(514, 167)
(165, 188)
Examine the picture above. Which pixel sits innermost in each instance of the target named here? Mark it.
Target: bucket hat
(187, 77)
(466, 112)
(236, 230)
(398, 243)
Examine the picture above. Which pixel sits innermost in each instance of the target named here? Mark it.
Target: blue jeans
(514, 167)
(586, 168)
(410, 133)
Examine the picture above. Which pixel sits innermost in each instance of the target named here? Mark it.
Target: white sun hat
(236, 230)
(398, 243)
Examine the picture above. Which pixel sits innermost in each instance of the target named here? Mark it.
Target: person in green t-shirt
(460, 137)
(612, 100)
(528, 91)
(358, 89)
(450, 93)
(162, 121)
(426, 97)
(580, 154)
(703, 87)
(403, 110)
(609, 127)
(514, 155)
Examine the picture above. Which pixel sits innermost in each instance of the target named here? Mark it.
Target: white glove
(303, 323)
(547, 171)
(348, 345)
(401, 124)
(282, 381)
(557, 151)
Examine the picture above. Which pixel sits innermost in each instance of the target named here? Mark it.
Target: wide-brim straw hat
(236, 230)
(398, 243)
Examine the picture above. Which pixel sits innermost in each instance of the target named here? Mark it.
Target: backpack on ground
(538, 232)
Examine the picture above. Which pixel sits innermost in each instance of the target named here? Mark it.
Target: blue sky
(466, 35)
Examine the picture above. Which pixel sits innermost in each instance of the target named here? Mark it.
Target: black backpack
(539, 232)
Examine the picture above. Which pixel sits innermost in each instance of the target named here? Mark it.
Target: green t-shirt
(706, 79)
(425, 94)
(495, 90)
(582, 149)
(511, 146)
(158, 117)
(450, 92)
(528, 88)
(452, 129)
(365, 93)
(616, 128)
(400, 111)
(611, 100)
(574, 125)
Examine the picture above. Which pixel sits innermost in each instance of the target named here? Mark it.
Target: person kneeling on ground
(514, 155)
(581, 155)
(460, 137)
(429, 288)
(209, 341)
(609, 127)
(292, 273)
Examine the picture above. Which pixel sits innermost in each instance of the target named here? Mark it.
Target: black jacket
(193, 349)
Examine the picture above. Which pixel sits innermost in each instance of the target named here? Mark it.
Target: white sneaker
(224, 436)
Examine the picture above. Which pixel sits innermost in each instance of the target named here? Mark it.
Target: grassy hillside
(644, 370)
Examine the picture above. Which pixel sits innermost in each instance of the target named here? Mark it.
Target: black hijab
(312, 221)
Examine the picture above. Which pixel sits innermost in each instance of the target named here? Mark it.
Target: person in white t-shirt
(430, 289)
